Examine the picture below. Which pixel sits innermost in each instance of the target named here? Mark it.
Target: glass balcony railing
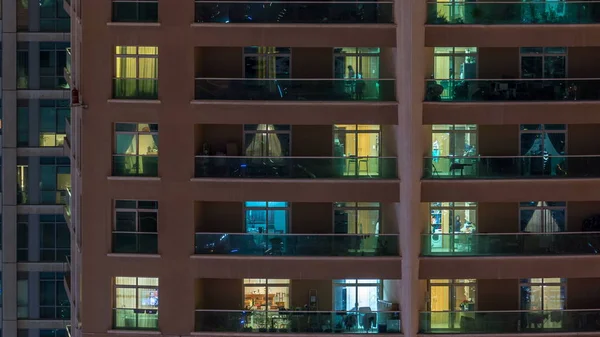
(135, 319)
(295, 89)
(135, 243)
(510, 244)
(136, 166)
(282, 321)
(497, 322)
(296, 167)
(518, 167)
(297, 244)
(485, 90)
(68, 64)
(67, 206)
(324, 12)
(135, 88)
(513, 13)
(135, 11)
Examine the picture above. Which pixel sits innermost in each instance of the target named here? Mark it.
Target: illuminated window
(354, 294)
(136, 303)
(451, 222)
(266, 297)
(448, 299)
(449, 141)
(136, 72)
(542, 217)
(360, 146)
(136, 150)
(356, 218)
(267, 140)
(539, 294)
(53, 114)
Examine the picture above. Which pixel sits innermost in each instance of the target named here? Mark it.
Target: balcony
(510, 244)
(135, 88)
(296, 167)
(330, 322)
(67, 207)
(134, 243)
(513, 322)
(340, 90)
(134, 166)
(135, 11)
(518, 167)
(295, 12)
(67, 71)
(297, 244)
(135, 319)
(524, 90)
(513, 13)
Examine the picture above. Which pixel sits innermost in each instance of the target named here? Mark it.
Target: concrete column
(410, 18)
(34, 65)
(34, 295)
(9, 167)
(34, 16)
(34, 123)
(33, 226)
(33, 188)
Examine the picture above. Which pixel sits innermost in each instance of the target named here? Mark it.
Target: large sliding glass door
(452, 226)
(359, 299)
(266, 297)
(539, 295)
(360, 146)
(457, 297)
(270, 219)
(451, 67)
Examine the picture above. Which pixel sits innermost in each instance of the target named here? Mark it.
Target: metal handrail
(513, 311)
(296, 234)
(293, 157)
(512, 79)
(360, 2)
(147, 233)
(507, 157)
(508, 234)
(296, 311)
(530, 2)
(285, 79)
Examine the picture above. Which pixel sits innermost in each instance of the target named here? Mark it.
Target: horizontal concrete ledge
(550, 35)
(510, 267)
(42, 323)
(297, 25)
(293, 112)
(507, 113)
(42, 266)
(544, 334)
(43, 94)
(291, 181)
(41, 151)
(298, 258)
(40, 209)
(134, 101)
(133, 24)
(133, 178)
(44, 36)
(292, 334)
(131, 332)
(134, 256)
(511, 190)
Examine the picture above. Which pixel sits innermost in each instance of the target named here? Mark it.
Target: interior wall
(583, 293)
(221, 62)
(497, 295)
(220, 217)
(582, 62)
(312, 217)
(577, 212)
(222, 294)
(497, 63)
(219, 135)
(498, 140)
(388, 140)
(312, 63)
(389, 219)
(300, 293)
(583, 139)
(387, 62)
(312, 140)
(497, 217)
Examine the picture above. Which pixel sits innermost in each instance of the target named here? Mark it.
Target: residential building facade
(401, 168)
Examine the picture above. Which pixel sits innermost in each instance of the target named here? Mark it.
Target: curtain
(126, 74)
(127, 147)
(148, 75)
(264, 144)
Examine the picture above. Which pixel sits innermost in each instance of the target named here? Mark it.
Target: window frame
(356, 206)
(56, 224)
(268, 210)
(59, 107)
(543, 55)
(57, 281)
(543, 209)
(265, 134)
(137, 56)
(285, 52)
